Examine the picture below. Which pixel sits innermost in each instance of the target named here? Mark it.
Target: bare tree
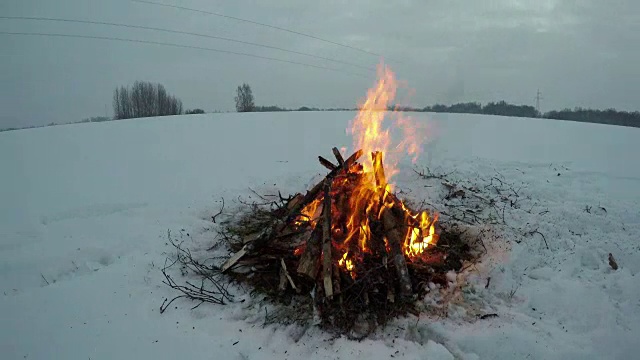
(163, 100)
(117, 106)
(144, 99)
(125, 103)
(244, 99)
(175, 106)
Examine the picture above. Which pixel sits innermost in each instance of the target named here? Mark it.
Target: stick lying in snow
(612, 262)
(488, 316)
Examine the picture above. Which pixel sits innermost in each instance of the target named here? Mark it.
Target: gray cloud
(579, 53)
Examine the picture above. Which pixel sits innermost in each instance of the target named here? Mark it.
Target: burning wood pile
(352, 244)
(359, 250)
(341, 226)
(348, 253)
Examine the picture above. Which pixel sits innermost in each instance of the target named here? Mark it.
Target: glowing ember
(346, 262)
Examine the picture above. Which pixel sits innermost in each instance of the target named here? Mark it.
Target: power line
(178, 46)
(258, 23)
(183, 33)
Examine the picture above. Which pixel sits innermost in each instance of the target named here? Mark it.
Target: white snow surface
(85, 210)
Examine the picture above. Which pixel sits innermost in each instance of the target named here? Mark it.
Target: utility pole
(538, 98)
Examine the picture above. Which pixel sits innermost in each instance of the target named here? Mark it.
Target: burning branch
(338, 156)
(396, 231)
(326, 163)
(326, 240)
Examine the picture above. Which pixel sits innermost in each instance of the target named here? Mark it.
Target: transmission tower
(538, 98)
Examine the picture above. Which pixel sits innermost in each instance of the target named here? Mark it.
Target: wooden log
(352, 159)
(251, 237)
(283, 211)
(326, 241)
(396, 232)
(288, 277)
(282, 286)
(313, 193)
(336, 279)
(319, 293)
(309, 263)
(338, 156)
(377, 244)
(278, 226)
(294, 201)
(286, 232)
(234, 258)
(337, 284)
(326, 163)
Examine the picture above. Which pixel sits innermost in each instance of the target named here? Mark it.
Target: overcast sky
(578, 53)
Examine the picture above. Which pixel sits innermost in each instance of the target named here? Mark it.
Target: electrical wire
(179, 46)
(183, 33)
(259, 24)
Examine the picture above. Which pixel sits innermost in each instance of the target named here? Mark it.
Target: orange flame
(422, 236)
(366, 128)
(368, 185)
(310, 213)
(346, 262)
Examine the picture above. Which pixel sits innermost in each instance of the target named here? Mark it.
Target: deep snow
(85, 210)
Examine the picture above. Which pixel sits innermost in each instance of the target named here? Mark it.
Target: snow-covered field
(85, 209)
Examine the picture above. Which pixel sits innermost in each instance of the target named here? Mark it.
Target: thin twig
(530, 233)
(213, 218)
(211, 288)
(258, 195)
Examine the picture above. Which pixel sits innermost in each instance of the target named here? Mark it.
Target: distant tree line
(275, 108)
(144, 99)
(96, 119)
(493, 108)
(609, 116)
(245, 102)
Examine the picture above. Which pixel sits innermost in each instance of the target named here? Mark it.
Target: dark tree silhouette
(244, 99)
(144, 99)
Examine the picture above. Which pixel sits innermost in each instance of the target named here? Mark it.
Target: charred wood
(327, 259)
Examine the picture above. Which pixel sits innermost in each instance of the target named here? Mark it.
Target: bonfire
(362, 254)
